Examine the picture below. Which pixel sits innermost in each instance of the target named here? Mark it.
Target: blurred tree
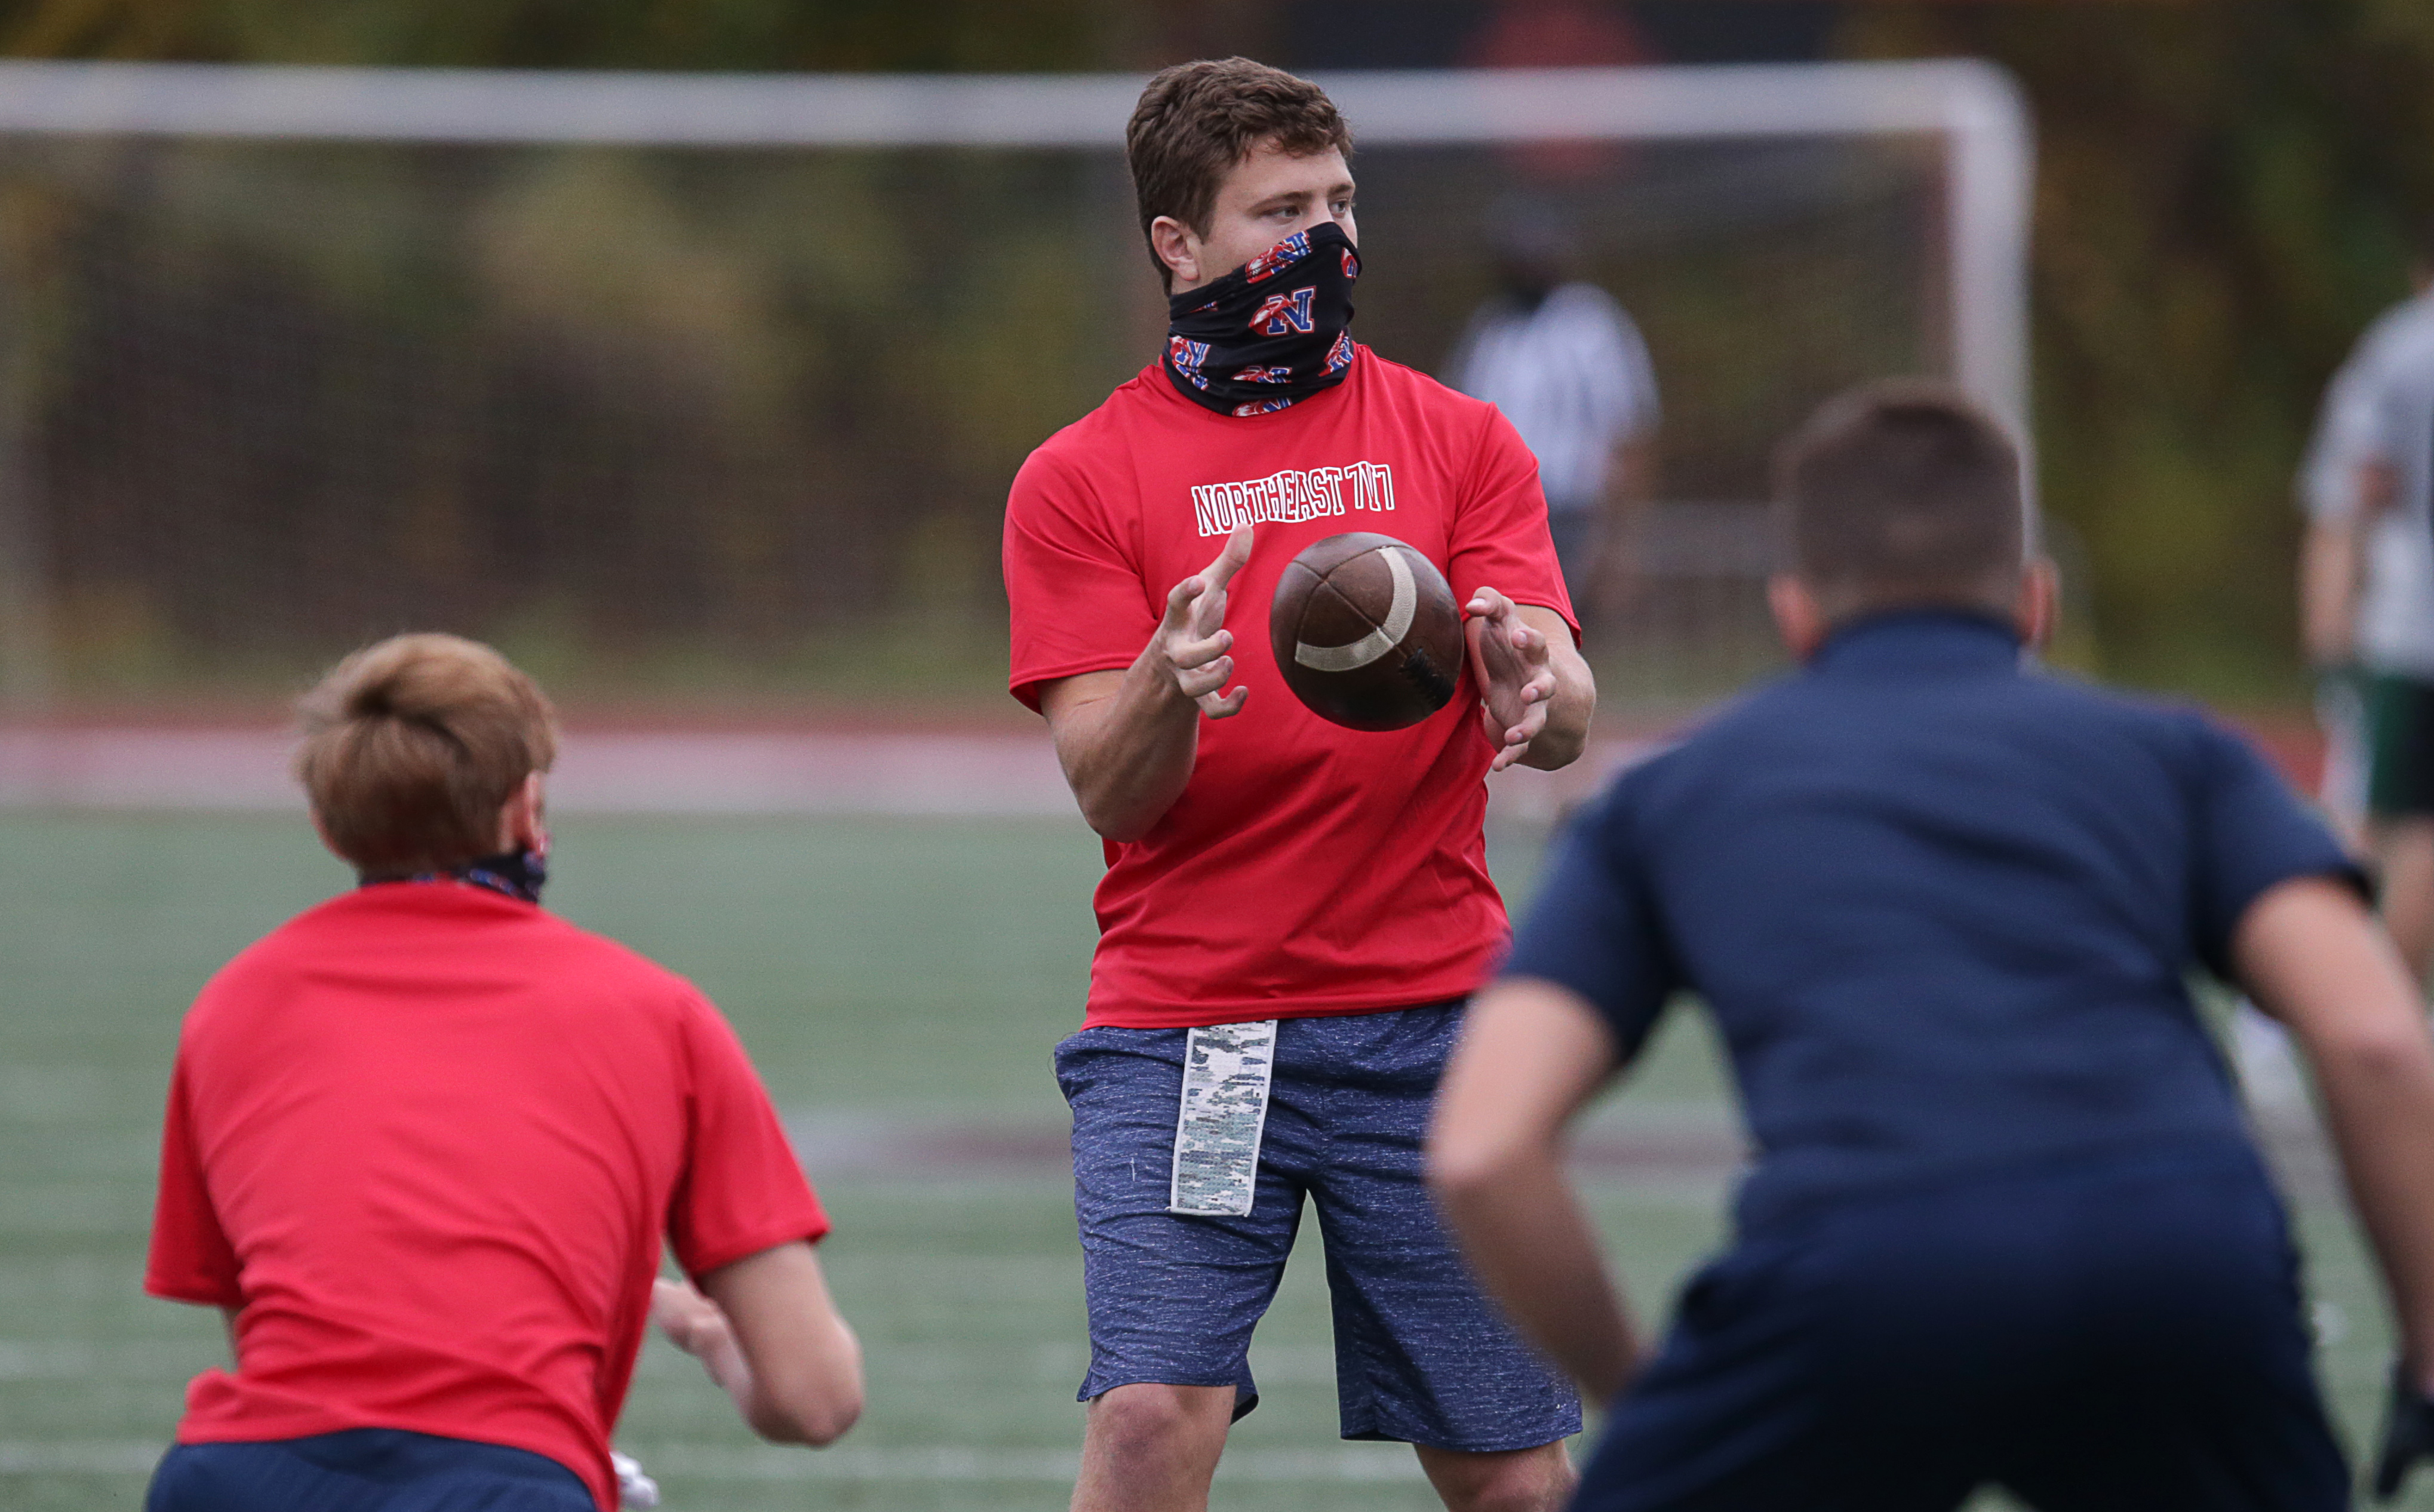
(2224, 198)
(673, 34)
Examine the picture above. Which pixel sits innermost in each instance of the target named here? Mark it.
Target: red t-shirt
(1306, 868)
(427, 1139)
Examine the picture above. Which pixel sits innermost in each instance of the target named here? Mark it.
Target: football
(1367, 632)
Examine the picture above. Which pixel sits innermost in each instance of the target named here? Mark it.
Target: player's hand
(691, 1322)
(1192, 643)
(2407, 1434)
(1515, 677)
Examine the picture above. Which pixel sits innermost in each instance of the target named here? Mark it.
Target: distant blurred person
(1568, 369)
(424, 1141)
(2367, 601)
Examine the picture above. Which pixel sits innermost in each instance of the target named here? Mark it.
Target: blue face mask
(1270, 334)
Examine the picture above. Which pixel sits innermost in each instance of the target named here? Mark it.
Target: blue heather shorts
(1420, 1354)
(362, 1469)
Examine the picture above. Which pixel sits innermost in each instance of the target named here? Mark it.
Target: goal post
(1944, 148)
(1971, 104)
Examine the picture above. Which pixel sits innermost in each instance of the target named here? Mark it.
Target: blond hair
(412, 745)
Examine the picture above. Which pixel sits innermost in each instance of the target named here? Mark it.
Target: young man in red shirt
(425, 1140)
(1293, 912)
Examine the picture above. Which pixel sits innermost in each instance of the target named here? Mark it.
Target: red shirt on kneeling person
(424, 1139)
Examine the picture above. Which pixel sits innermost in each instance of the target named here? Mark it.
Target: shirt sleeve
(191, 1259)
(1074, 595)
(2252, 835)
(2345, 437)
(1595, 929)
(2379, 406)
(742, 1190)
(1500, 530)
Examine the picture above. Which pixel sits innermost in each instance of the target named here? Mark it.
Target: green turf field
(885, 974)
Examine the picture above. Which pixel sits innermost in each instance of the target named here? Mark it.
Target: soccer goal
(711, 386)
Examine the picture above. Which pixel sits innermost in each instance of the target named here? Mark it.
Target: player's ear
(1798, 617)
(1177, 247)
(523, 822)
(2039, 607)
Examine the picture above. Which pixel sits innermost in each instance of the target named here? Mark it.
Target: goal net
(702, 388)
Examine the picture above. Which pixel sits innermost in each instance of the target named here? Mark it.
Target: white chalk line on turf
(719, 1462)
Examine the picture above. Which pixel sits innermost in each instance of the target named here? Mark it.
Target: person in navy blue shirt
(2003, 1224)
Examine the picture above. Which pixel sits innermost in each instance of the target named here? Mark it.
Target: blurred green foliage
(2227, 194)
(1012, 35)
(646, 418)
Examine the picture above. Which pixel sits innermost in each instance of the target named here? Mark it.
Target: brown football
(1367, 632)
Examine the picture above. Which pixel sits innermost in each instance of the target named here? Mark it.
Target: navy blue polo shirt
(1942, 904)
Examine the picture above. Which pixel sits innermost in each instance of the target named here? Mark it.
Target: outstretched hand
(1515, 677)
(1192, 643)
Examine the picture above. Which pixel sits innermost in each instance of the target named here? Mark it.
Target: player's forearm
(1531, 1245)
(2311, 956)
(2379, 1102)
(723, 1361)
(1128, 757)
(769, 1334)
(1532, 1052)
(2328, 592)
(1568, 713)
(817, 1399)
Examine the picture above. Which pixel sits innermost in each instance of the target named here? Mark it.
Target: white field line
(1354, 1463)
(1012, 774)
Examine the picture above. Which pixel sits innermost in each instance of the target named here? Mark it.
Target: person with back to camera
(423, 1141)
(2004, 1223)
(1301, 902)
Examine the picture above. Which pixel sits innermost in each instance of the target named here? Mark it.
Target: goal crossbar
(1972, 110)
(1973, 106)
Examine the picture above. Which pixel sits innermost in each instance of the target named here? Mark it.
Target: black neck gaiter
(1270, 334)
(519, 874)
